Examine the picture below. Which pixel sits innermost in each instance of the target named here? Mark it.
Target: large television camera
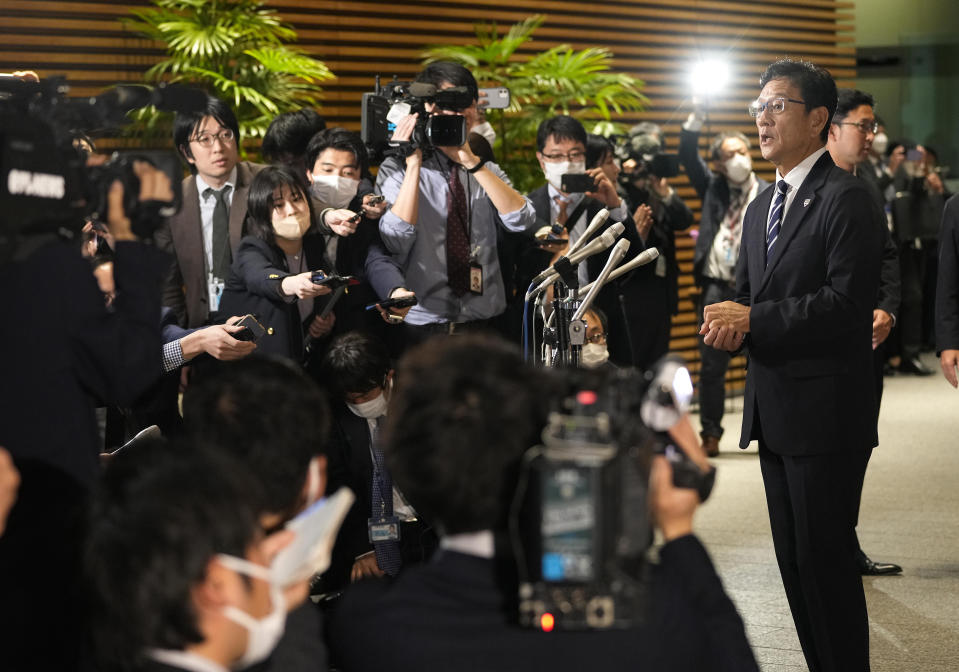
(647, 156)
(384, 107)
(578, 524)
(46, 185)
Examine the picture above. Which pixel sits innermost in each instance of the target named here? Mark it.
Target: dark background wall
(655, 40)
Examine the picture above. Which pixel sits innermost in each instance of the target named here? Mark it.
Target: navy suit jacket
(809, 384)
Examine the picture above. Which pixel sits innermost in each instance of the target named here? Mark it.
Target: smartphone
(375, 199)
(550, 240)
(913, 155)
(577, 183)
(496, 98)
(332, 281)
(251, 331)
(398, 302)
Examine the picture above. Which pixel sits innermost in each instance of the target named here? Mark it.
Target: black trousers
(813, 502)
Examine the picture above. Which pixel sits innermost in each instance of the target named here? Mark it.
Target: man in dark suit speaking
(806, 284)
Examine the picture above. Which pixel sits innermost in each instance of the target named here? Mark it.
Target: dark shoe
(915, 367)
(888, 369)
(869, 568)
(711, 445)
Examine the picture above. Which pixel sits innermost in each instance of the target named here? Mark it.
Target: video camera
(383, 108)
(577, 525)
(46, 186)
(646, 150)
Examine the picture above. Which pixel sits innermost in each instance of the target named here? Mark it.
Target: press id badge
(476, 277)
(384, 529)
(216, 292)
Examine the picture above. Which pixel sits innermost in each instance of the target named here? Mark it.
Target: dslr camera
(384, 107)
(46, 186)
(577, 524)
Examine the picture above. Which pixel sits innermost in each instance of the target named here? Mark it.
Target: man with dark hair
(288, 135)
(806, 284)
(725, 192)
(455, 448)
(268, 414)
(560, 150)
(205, 234)
(339, 174)
(359, 374)
(853, 128)
(441, 227)
(177, 565)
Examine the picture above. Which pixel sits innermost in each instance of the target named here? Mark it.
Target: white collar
(795, 177)
(479, 543)
(201, 184)
(186, 660)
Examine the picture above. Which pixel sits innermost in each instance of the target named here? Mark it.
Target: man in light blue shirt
(456, 278)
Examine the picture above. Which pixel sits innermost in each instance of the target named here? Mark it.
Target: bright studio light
(709, 77)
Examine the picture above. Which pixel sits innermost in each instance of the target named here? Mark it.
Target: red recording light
(546, 622)
(586, 397)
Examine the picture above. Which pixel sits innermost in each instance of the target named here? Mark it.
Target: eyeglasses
(598, 339)
(572, 157)
(864, 126)
(775, 105)
(207, 139)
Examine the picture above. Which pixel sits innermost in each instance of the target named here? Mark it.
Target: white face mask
(880, 143)
(292, 227)
(486, 130)
(554, 171)
(594, 355)
(334, 190)
(739, 168)
(263, 633)
(372, 409)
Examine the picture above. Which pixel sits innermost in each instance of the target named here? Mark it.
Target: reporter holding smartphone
(271, 276)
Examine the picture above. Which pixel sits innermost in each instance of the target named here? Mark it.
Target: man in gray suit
(206, 232)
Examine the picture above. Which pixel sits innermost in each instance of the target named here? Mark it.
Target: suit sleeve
(258, 272)
(172, 292)
(890, 288)
(687, 574)
(947, 288)
(850, 257)
(696, 169)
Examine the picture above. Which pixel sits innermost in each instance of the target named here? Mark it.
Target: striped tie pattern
(776, 217)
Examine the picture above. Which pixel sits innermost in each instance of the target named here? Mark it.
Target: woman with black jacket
(271, 273)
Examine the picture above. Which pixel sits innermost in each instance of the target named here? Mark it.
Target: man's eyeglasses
(774, 105)
(572, 157)
(207, 139)
(598, 339)
(864, 126)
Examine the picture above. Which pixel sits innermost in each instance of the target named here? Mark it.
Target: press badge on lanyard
(476, 272)
(384, 528)
(216, 291)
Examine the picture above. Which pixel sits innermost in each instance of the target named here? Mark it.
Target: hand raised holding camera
(604, 190)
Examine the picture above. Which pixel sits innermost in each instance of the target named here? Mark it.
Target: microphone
(598, 220)
(615, 257)
(604, 241)
(643, 258)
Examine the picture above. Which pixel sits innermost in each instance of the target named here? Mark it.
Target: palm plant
(235, 49)
(560, 80)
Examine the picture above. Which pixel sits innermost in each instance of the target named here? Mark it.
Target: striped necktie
(388, 557)
(776, 217)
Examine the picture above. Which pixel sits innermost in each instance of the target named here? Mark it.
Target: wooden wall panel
(655, 40)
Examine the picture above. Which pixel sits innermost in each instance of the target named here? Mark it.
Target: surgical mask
(554, 171)
(293, 227)
(486, 130)
(372, 409)
(594, 355)
(264, 633)
(738, 168)
(334, 190)
(880, 143)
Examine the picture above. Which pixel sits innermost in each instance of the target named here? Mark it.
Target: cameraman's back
(454, 449)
